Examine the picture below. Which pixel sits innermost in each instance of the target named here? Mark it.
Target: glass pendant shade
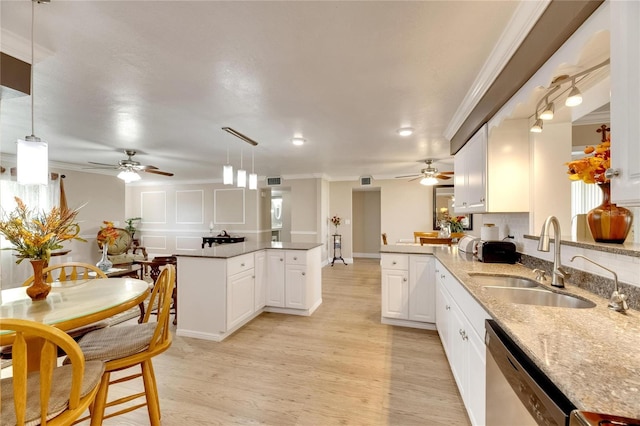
(227, 174)
(429, 181)
(574, 98)
(537, 127)
(33, 161)
(128, 176)
(242, 178)
(547, 114)
(253, 181)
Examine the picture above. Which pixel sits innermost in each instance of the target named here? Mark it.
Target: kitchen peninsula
(222, 288)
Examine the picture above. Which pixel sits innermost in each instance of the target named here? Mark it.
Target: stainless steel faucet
(559, 274)
(618, 301)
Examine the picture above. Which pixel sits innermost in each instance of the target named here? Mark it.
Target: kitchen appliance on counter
(497, 252)
(468, 244)
(518, 392)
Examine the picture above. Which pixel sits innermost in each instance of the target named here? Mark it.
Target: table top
(75, 303)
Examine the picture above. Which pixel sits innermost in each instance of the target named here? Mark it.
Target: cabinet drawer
(296, 258)
(394, 261)
(239, 264)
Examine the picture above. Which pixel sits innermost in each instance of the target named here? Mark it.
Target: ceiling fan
(429, 175)
(130, 167)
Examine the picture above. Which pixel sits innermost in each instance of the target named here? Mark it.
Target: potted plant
(131, 227)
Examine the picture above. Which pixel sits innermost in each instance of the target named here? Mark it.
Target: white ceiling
(163, 77)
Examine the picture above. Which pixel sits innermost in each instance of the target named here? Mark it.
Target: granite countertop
(592, 355)
(225, 251)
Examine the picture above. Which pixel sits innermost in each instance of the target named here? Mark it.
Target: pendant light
(242, 175)
(227, 171)
(253, 178)
(32, 152)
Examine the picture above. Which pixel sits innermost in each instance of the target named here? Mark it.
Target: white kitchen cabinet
(293, 281)
(240, 297)
(492, 170)
(260, 266)
(275, 278)
(460, 323)
(625, 102)
(408, 290)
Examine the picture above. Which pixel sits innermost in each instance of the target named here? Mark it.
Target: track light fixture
(574, 97)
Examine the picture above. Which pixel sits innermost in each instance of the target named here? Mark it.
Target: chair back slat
(69, 271)
(161, 298)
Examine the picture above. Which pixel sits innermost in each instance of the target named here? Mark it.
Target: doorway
(281, 214)
(366, 222)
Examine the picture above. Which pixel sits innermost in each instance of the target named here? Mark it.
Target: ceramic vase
(609, 223)
(39, 289)
(104, 264)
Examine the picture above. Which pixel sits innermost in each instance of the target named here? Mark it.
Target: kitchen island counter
(226, 251)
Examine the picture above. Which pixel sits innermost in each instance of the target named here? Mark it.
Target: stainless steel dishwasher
(518, 392)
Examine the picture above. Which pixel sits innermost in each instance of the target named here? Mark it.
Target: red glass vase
(39, 289)
(609, 223)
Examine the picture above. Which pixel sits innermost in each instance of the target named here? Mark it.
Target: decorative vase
(39, 289)
(609, 223)
(104, 264)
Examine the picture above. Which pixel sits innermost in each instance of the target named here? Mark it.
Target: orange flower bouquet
(591, 169)
(107, 233)
(35, 234)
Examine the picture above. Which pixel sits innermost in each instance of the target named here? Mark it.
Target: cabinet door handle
(460, 332)
(442, 276)
(610, 173)
(447, 307)
(437, 271)
(482, 200)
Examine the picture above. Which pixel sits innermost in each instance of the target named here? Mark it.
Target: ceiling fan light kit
(32, 153)
(128, 176)
(298, 141)
(429, 181)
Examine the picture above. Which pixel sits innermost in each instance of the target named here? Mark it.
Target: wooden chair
(384, 238)
(122, 251)
(417, 235)
(69, 271)
(430, 240)
(154, 268)
(128, 346)
(53, 395)
(61, 273)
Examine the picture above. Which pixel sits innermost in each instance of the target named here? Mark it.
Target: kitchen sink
(538, 296)
(504, 281)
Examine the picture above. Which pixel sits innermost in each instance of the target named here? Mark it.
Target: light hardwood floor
(340, 366)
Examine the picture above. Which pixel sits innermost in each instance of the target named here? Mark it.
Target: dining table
(71, 304)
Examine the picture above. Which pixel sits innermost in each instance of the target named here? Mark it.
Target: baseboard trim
(407, 323)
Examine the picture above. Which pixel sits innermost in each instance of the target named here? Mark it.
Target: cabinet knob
(464, 203)
(482, 200)
(447, 307)
(242, 264)
(281, 259)
(442, 276)
(437, 271)
(460, 332)
(404, 280)
(394, 262)
(304, 273)
(610, 173)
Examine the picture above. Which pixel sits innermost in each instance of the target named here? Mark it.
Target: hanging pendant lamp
(242, 175)
(253, 178)
(32, 152)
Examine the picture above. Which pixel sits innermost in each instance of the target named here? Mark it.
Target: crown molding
(20, 47)
(521, 23)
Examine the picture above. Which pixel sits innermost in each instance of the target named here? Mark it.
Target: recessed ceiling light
(298, 141)
(405, 131)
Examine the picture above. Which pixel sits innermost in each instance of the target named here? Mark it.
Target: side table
(337, 249)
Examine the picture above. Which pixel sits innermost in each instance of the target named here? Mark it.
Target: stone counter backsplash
(592, 283)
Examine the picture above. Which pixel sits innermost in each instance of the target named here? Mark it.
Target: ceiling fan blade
(446, 173)
(145, 168)
(101, 168)
(103, 164)
(415, 178)
(158, 172)
(444, 177)
(407, 176)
